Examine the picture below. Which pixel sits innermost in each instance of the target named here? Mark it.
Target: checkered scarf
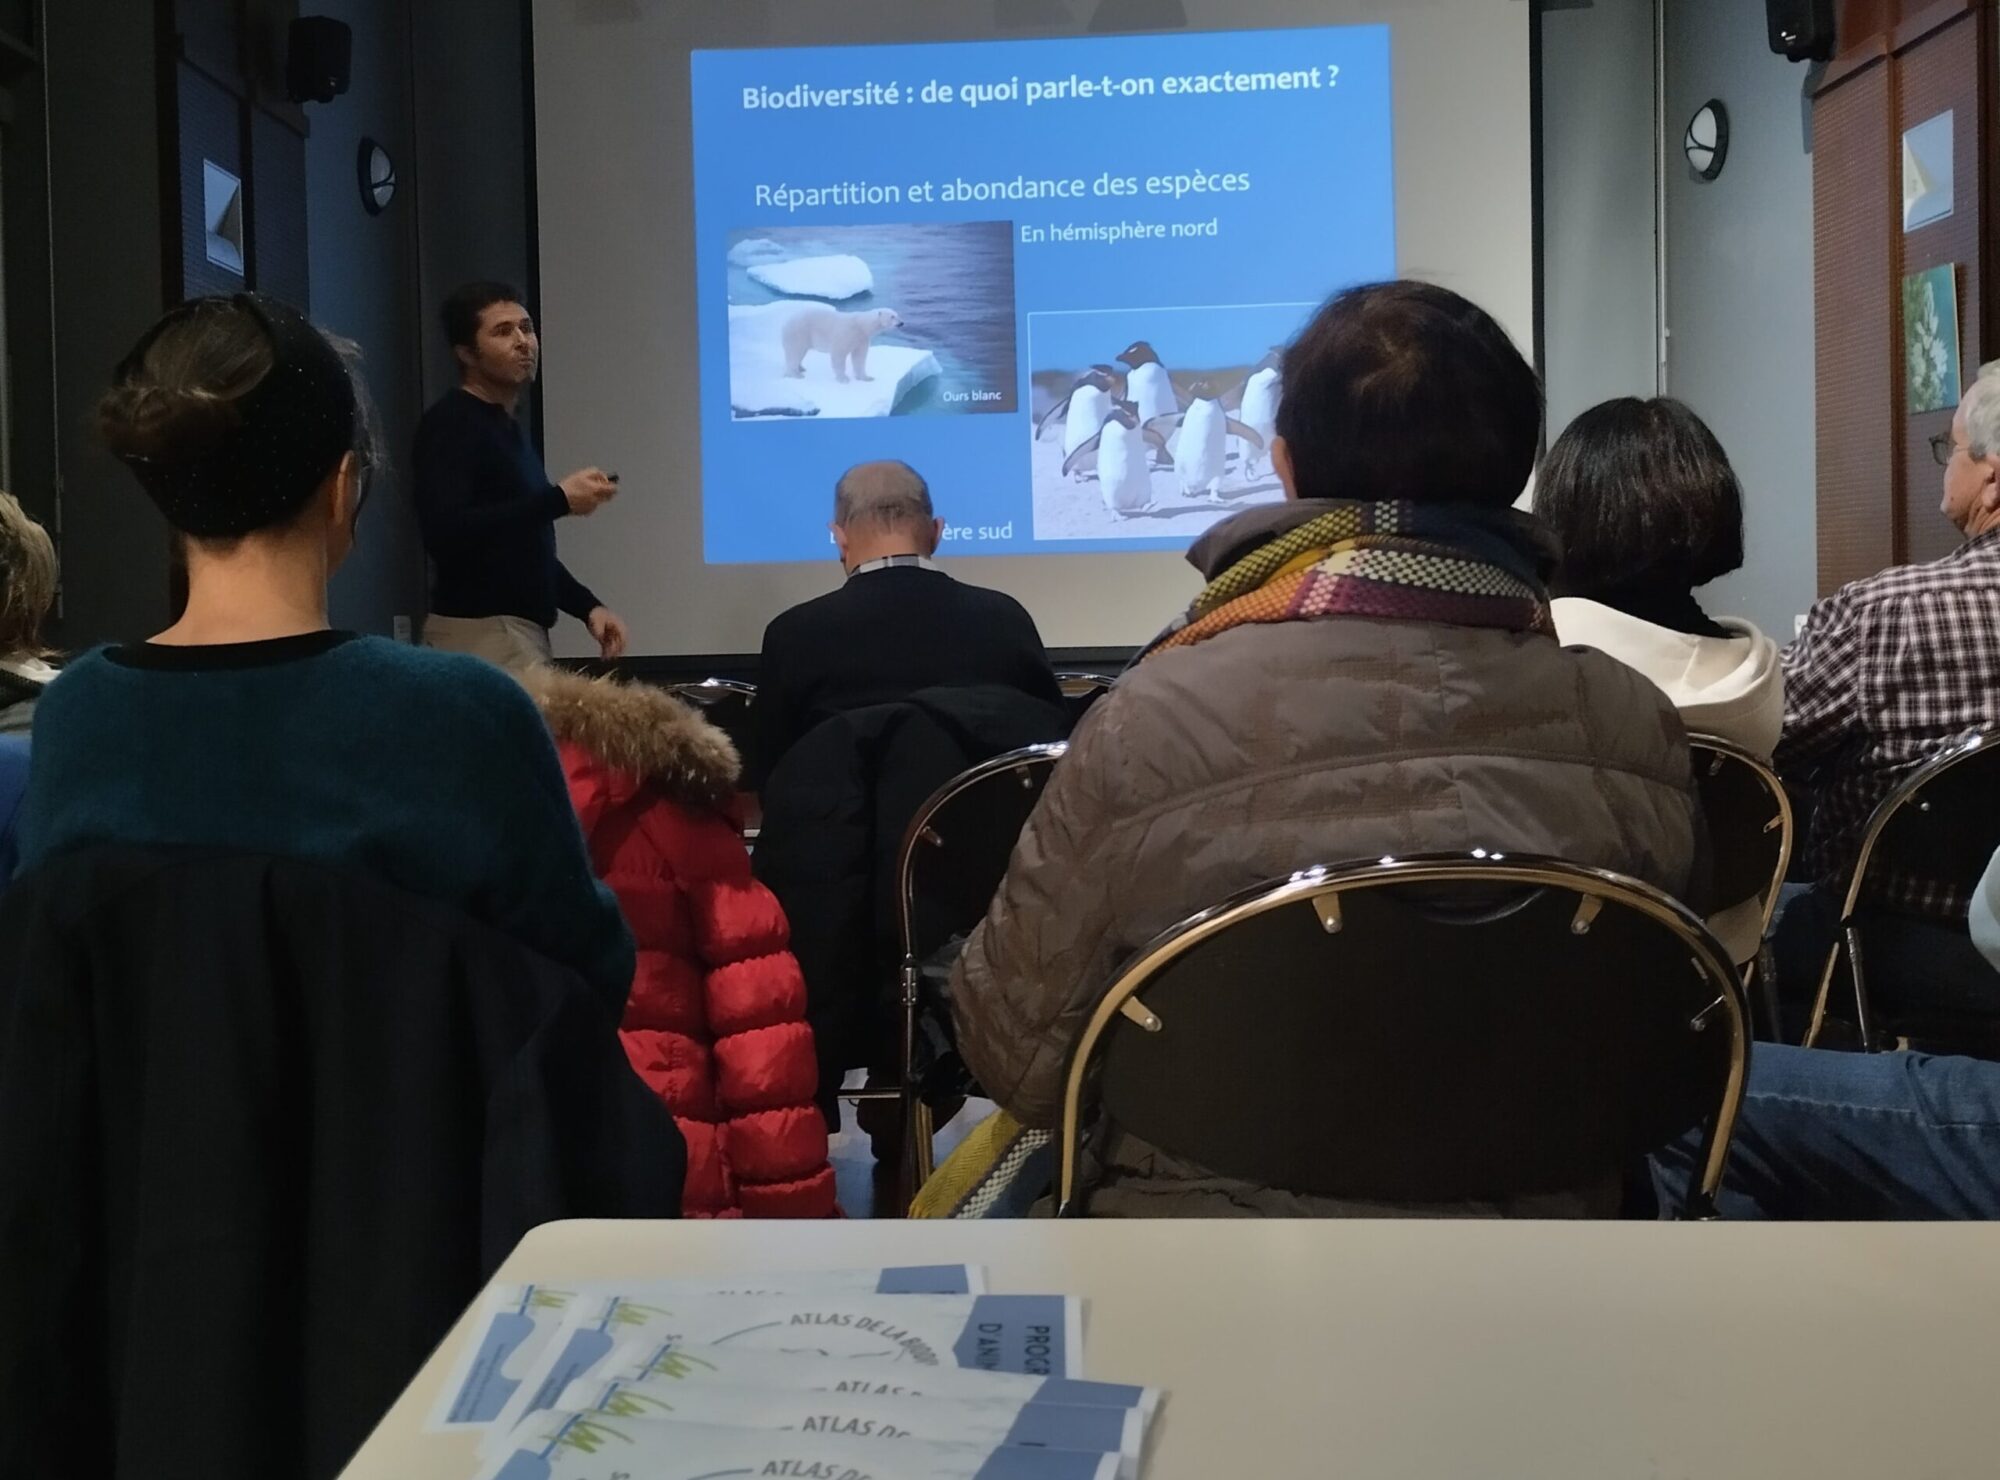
(1402, 561)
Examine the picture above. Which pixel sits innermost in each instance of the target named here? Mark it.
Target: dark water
(953, 284)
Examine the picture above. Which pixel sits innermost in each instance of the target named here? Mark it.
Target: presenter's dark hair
(1641, 492)
(1405, 390)
(467, 302)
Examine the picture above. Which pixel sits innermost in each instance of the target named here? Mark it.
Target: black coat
(881, 637)
(265, 1129)
(835, 812)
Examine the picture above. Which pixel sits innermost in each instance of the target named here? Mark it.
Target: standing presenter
(485, 502)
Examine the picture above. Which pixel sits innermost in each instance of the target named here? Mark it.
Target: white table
(1362, 1350)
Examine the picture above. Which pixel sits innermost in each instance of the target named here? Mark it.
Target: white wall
(1740, 295)
(1600, 326)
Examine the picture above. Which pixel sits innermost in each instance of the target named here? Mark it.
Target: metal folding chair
(711, 695)
(1421, 1032)
(1076, 685)
(1081, 690)
(948, 868)
(1751, 833)
(1941, 824)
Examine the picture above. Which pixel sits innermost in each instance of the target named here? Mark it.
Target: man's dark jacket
(835, 812)
(881, 637)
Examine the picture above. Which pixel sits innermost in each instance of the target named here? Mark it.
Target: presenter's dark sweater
(430, 771)
(488, 512)
(884, 635)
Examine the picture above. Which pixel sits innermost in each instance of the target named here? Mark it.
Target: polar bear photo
(842, 337)
(831, 322)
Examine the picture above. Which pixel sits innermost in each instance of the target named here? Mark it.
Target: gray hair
(889, 495)
(1982, 411)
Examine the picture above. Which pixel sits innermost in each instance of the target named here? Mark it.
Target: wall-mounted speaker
(319, 59)
(1801, 30)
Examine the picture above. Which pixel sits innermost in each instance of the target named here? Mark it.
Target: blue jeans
(1852, 1136)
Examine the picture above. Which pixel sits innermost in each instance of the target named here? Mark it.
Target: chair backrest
(1942, 824)
(1076, 685)
(1750, 822)
(1081, 690)
(712, 693)
(1423, 1031)
(955, 850)
(723, 702)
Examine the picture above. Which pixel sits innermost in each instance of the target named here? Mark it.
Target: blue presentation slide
(1053, 276)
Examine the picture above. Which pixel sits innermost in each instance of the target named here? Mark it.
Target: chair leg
(1864, 1019)
(1817, 1023)
(1760, 981)
(923, 1138)
(914, 1163)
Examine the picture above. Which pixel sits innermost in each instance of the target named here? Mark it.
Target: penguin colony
(1124, 425)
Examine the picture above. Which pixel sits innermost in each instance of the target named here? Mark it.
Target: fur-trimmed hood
(640, 730)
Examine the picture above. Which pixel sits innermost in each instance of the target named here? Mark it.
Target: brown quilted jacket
(1271, 748)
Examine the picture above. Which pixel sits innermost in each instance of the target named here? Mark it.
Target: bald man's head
(883, 508)
(884, 494)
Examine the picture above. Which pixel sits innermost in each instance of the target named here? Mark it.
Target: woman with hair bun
(249, 724)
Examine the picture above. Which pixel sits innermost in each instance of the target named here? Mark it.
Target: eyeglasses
(1942, 447)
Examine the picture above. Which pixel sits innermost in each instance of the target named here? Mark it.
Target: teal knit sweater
(431, 771)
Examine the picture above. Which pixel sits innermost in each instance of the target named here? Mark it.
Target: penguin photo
(1175, 430)
(1083, 410)
(1148, 386)
(1257, 408)
(1201, 448)
(1122, 454)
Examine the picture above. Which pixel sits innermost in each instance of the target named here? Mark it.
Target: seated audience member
(716, 1023)
(248, 724)
(1647, 508)
(899, 624)
(1839, 1136)
(1888, 672)
(1371, 669)
(27, 591)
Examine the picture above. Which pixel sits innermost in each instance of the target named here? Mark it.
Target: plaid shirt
(1887, 672)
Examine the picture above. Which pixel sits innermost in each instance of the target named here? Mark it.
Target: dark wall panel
(1879, 485)
(211, 131)
(364, 286)
(1858, 379)
(107, 217)
(278, 214)
(1941, 73)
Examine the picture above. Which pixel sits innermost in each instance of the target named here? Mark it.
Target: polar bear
(844, 337)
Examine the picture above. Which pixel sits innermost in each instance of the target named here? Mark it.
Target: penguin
(1149, 386)
(1124, 470)
(1084, 408)
(1258, 408)
(1201, 456)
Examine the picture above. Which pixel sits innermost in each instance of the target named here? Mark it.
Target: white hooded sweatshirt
(1729, 687)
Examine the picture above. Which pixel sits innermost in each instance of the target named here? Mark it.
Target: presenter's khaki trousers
(512, 643)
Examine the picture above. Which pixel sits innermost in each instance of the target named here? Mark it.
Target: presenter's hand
(609, 630)
(588, 490)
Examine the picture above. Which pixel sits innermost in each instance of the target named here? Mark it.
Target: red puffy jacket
(716, 1020)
